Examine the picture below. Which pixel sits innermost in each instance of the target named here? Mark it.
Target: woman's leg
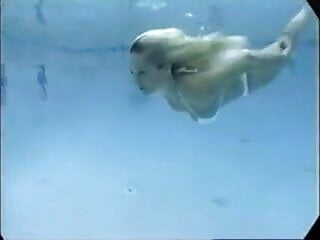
(266, 63)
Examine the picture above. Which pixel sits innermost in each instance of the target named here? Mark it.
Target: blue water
(98, 160)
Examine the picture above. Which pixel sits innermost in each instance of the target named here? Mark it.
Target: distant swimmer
(39, 12)
(42, 80)
(4, 83)
(198, 75)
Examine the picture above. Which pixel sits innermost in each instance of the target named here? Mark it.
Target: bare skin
(198, 75)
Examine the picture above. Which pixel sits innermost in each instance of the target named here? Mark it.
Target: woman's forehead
(138, 61)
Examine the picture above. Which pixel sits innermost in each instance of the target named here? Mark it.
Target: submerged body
(198, 75)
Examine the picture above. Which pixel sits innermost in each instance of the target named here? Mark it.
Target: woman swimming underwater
(198, 75)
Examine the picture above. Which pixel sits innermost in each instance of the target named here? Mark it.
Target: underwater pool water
(96, 159)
